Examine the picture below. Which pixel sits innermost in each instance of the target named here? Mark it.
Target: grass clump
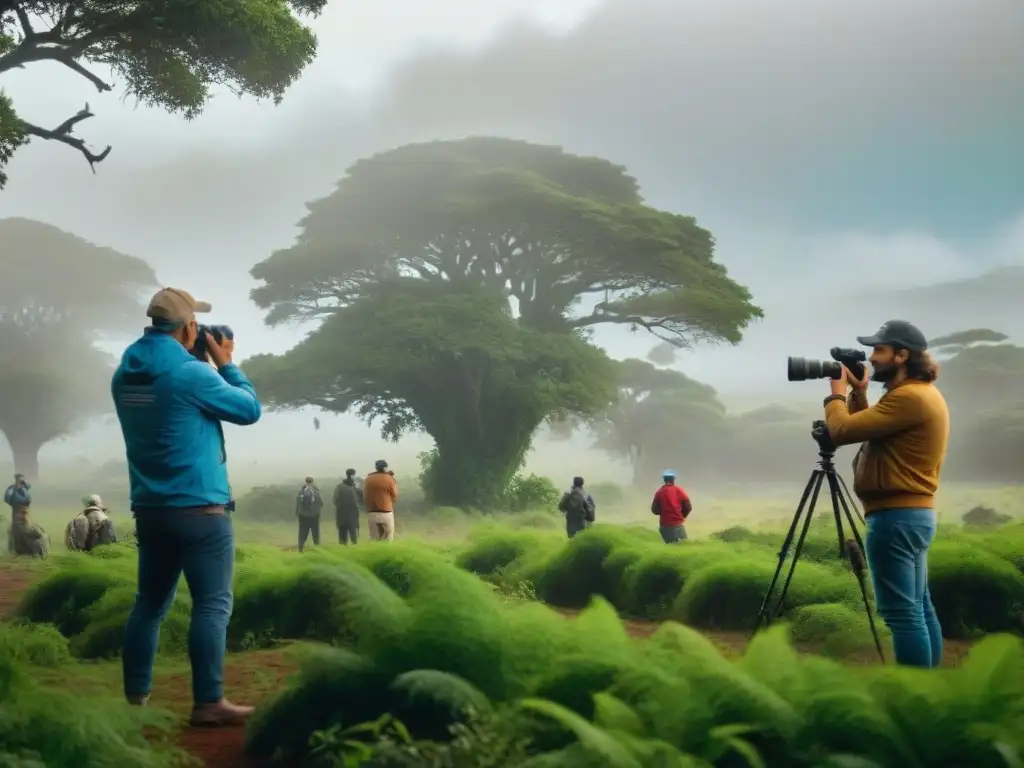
(836, 630)
(44, 727)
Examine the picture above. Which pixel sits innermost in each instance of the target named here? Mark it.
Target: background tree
(169, 54)
(550, 244)
(59, 296)
(454, 363)
(659, 413)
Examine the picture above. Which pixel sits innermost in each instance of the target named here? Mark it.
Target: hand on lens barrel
(219, 352)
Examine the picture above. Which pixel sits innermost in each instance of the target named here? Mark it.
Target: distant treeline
(663, 418)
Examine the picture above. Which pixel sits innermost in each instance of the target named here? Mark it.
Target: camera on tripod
(802, 369)
(200, 350)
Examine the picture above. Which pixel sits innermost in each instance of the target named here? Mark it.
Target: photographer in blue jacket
(171, 404)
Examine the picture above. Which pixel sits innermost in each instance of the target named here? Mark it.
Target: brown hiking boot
(139, 700)
(220, 714)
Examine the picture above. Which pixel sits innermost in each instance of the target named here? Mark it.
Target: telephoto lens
(802, 369)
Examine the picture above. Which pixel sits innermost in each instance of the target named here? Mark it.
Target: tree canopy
(59, 295)
(415, 355)
(567, 239)
(170, 54)
(658, 413)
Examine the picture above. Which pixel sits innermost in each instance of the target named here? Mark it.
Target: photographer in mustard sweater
(903, 441)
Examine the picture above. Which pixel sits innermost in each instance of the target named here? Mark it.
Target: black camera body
(218, 332)
(802, 369)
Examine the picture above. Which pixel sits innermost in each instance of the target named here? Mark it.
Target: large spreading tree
(556, 244)
(59, 297)
(168, 54)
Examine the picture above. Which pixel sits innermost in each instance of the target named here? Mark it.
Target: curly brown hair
(922, 366)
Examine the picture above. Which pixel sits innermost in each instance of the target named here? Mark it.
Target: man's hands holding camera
(850, 380)
(219, 352)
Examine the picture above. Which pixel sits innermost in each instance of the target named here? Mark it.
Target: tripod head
(826, 448)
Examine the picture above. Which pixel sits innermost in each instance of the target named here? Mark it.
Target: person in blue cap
(672, 506)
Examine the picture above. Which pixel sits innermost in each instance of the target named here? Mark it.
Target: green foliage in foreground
(409, 635)
(43, 727)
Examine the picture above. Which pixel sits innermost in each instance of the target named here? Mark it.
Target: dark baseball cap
(380, 464)
(897, 333)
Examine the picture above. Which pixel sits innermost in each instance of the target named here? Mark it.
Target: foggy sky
(831, 147)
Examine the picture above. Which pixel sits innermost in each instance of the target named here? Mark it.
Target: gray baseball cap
(897, 333)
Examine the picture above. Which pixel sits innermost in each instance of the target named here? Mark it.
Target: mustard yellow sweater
(904, 437)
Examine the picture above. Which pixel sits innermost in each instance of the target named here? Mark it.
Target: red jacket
(672, 505)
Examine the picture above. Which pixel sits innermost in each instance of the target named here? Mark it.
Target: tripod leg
(812, 482)
(833, 492)
(799, 546)
(855, 554)
(849, 496)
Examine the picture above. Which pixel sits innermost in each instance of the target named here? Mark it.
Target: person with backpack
(17, 495)
(347, 499)
(672, 506)
(578, 507)
(90, 528)
(308, 505)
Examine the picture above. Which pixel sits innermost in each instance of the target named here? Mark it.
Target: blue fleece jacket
(171, 406)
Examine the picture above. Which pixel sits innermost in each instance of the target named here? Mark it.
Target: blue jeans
(897, 553)
(672, 534)
(173, 541)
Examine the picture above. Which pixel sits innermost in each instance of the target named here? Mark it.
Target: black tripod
(849, 549)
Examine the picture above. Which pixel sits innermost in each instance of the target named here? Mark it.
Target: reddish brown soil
(14, 580)
(250, 678)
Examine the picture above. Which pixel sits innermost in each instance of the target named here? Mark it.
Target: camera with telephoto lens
(802, 369)
(219, 332)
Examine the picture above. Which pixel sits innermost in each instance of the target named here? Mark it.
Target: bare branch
(68, 61)
(62, 133)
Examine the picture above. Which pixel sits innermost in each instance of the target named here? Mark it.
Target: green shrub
(576, 573)
(492, 550)
(341, 605)
(836, 630)
(651, 584)
(44, 727)
(62, 597)
(102, 635)
(729, 595)
(974, 591)
(531, 492)
(39, 644)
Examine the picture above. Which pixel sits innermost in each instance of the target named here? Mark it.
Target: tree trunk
(26, 454)
(471, 475)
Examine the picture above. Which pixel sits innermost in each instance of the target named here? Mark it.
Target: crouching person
(90, 528)
(25, 537)
(171, 407)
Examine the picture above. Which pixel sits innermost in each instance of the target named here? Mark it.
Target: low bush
(729, 595)
(45, 727)
(39, 644)
(974, 591)
(836, 630)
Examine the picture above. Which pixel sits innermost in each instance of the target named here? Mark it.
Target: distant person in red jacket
(672, 506)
